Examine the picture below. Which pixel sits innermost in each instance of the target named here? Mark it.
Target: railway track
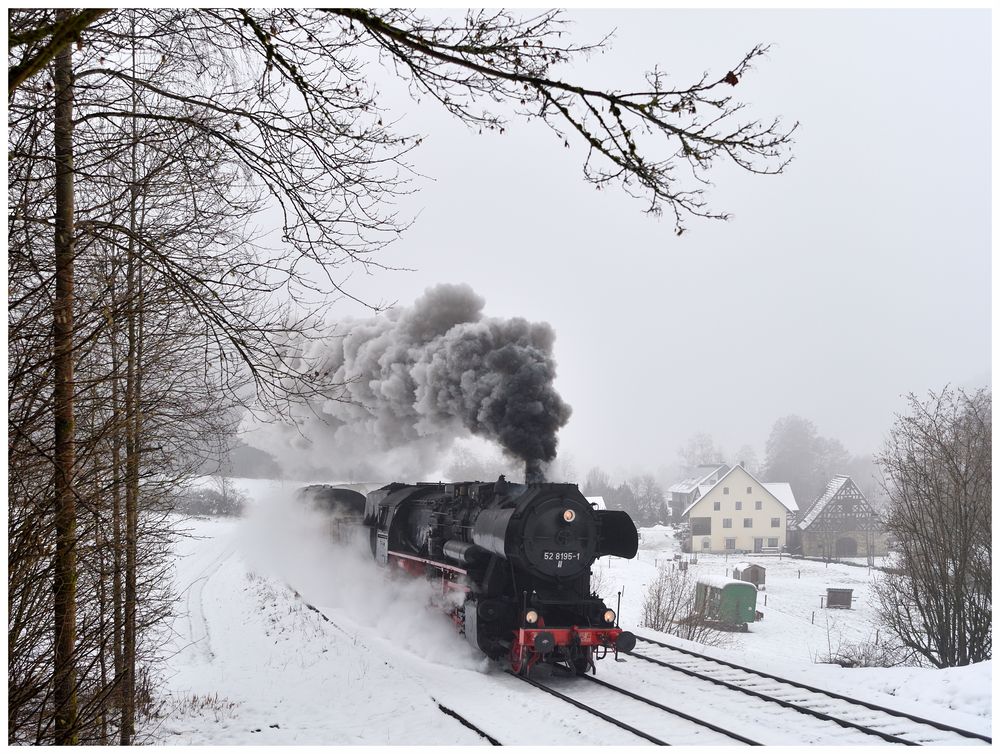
(627, 710)
(871, 719)
(655, 722)
(445, 710)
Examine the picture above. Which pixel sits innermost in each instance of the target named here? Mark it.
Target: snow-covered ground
(251, 663)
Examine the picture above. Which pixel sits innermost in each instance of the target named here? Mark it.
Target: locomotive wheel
(519, 660)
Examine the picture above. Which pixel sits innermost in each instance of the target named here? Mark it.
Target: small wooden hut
(750, 572)
(841, 598)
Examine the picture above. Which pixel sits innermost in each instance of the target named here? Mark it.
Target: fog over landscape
(860, 274)
(368, 368)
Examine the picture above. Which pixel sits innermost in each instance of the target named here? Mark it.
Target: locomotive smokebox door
(619, 536)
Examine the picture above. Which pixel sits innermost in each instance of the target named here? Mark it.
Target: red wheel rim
(517, 662)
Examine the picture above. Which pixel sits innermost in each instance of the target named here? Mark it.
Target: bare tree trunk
(131, 475)
(64, 570)
(116, 518)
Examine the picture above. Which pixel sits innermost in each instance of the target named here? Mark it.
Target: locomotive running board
(435, 563)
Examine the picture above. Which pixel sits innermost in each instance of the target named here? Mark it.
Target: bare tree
(669, 606)
(797, 454)
(700, 449)
(650, 502)
(64, 451)
(37, 40)
(654, 140)
(937, 467)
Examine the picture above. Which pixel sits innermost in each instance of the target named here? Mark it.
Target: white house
(740, 513)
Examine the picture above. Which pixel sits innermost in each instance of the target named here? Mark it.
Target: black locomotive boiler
(517, 557)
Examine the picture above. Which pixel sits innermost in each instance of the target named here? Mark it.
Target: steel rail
(833, 694)
(447, 711)
(591, 710)
(468, 724)
(782, 702)
(678, 713)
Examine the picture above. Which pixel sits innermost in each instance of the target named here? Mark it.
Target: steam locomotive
(515, 557)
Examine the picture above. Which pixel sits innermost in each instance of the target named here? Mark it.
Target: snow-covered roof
(744, 566)
(691, 483)
(718, 581)
(780, 491)
(598, 502)
(832, 488)
(684, 486)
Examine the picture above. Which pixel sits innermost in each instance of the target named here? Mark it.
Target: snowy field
(250, 663)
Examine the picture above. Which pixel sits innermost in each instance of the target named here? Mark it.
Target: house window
(758, 505)
(739, 505)
(727, 523)
(701, 525)
(730, 544)
(706, 543)
(747, 523)
(749, 490)
(772, 541)
(716, 506)
(725, 490)
(775, 523)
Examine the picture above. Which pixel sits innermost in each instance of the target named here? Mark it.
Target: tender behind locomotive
(519, 557)
(343, 507)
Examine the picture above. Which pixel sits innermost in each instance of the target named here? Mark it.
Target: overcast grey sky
(859, 275)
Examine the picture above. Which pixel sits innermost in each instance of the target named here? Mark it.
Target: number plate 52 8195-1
(561, 555)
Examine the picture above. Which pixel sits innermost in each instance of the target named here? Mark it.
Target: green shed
(726, 601)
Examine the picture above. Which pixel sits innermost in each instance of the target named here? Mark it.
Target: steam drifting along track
(872, 719)
(445, 710)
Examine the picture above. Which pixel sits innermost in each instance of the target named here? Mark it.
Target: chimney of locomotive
(533, 472)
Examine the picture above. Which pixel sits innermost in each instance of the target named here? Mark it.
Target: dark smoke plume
(419, 377)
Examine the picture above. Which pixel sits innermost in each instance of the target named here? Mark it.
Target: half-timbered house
(841, 523)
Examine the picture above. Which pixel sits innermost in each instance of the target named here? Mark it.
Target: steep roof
(783, 491)
(684, 486)
(832, 488)
(780, 491)
(691, 483)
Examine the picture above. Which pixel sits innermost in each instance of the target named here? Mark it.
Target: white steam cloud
(287, 540)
